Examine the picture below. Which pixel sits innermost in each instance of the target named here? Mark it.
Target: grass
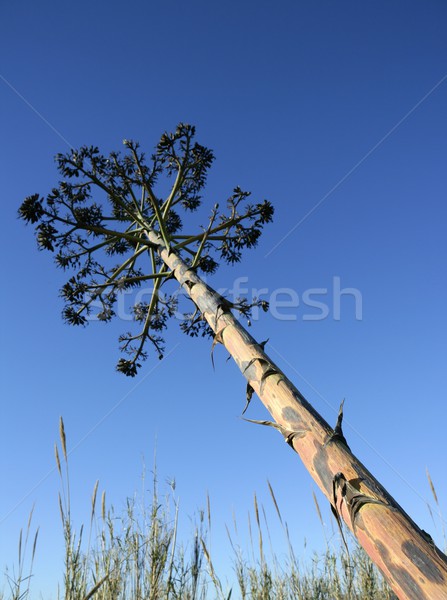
(136, 555)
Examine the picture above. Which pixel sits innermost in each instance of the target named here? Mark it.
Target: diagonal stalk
(414, 567)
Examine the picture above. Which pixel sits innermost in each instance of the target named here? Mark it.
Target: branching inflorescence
(100, 223)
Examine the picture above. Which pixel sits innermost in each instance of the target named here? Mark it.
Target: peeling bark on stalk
(413, 566)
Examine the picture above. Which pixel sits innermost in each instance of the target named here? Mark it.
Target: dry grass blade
(257, 511)
(103, 505)
(63, 437)
(250, 535)
(317, 506)
(35, 544)
(214, 578)
(431, 513)
(20, 545)
(206, 553)
(30, 518)
(432, 487)
(266, 523)
(61, 508)
(272, 494)
(230, 538)
(258, 521)
(440, 515)
(96, 587)
(208, 510)
(233, 515)
(58, 462)
(171, 564)
(95, 491)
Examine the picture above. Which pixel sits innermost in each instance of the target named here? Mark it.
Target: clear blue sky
(336, 112)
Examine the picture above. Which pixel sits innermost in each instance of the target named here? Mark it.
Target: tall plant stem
(414, 567)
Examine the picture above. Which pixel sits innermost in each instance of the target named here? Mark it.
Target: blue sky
(336, 112)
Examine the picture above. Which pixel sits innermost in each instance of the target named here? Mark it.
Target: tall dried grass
(136, 555)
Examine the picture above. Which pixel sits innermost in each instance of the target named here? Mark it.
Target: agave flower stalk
(128, 219)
